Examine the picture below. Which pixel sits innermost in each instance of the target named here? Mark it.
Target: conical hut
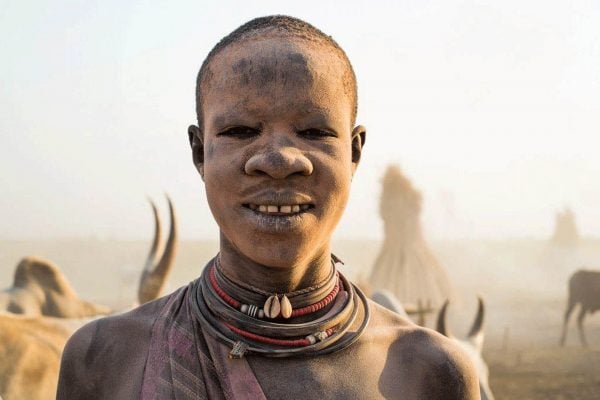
(405, 265)
(565, 229)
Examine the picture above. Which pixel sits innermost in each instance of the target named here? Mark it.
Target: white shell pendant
(272, 307)
(286, 307)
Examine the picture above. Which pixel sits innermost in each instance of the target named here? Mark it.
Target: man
(270, 317)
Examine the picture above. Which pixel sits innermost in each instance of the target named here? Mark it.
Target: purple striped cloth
(184, 363)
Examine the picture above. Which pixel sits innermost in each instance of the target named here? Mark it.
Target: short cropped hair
(280, 24)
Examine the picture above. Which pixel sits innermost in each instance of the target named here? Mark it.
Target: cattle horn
(442, 321)
(154, 278)
(478, 323)
(156, 243)
(476, 332)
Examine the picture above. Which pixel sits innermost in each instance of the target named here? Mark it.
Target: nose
(279, 162)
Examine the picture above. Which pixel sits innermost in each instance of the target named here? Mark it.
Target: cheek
(209, 151)
(336, 162)
(221, 161)
(221, 179)
(335, 180)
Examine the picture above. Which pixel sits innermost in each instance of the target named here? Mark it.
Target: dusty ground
(545, 374)
(523, 283)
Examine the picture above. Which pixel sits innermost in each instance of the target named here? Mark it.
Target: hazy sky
(492, 108)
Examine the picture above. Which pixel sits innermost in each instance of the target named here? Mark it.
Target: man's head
(275, 143)
(276, 25)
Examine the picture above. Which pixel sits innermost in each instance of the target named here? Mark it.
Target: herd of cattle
(41, 311)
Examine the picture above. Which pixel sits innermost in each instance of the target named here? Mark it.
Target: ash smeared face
(277, 136)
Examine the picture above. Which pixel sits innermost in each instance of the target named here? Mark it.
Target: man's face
(278, 154)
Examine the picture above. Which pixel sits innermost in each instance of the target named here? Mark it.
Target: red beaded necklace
(219, 309)
(255, 311)
(307, 341)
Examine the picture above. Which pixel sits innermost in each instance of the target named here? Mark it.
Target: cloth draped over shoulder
(184, 362)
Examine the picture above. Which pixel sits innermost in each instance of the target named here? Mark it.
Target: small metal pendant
(238, 350)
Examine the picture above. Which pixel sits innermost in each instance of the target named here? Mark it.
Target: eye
(316, 133)
(240, 132)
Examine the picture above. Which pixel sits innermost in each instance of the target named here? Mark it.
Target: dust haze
(490, 113)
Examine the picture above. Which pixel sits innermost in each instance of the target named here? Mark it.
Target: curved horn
(154, 279)
(442, 321)
(156, 242)
(477, 327)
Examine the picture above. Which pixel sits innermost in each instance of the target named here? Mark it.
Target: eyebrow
(240, 114)
(228, 117)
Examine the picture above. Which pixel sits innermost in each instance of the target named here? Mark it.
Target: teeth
(272, 209)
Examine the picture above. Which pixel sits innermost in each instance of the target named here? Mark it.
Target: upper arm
(453, 375)
(75, 381)
(106, 358)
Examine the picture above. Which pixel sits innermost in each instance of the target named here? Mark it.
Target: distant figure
(584, 289)
(406, 266)
(565, 229)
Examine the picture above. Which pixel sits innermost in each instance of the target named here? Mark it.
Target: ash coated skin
(277, 129)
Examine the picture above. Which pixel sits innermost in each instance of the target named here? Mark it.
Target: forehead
(271, 78)
(276, 62)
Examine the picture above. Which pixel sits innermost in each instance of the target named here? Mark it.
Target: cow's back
(584, 288)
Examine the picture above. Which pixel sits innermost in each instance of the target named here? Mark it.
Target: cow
(472, 346)
(584, 289)
(40, 288)
(31, 343)
(387, 299)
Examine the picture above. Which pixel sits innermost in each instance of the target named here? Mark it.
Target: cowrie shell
(286, 307)
(272, 307)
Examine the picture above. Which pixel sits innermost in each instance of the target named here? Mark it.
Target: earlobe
(196, 139)
(359, 135)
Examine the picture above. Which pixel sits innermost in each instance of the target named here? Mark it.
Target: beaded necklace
(246, 332)
(263, 304)
(272, 307)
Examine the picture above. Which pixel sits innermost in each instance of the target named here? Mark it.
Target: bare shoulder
(447, 371)
(105, 350)
(435, 366)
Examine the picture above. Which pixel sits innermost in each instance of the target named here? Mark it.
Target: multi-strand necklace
(263, 323)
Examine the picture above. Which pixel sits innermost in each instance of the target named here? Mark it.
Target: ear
(197, 144)
(359, 136)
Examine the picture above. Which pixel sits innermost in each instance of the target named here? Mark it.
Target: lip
(278, 198)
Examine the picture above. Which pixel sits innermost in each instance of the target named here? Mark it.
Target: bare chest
(350, 375)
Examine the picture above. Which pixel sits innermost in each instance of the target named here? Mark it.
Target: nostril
(279, 163)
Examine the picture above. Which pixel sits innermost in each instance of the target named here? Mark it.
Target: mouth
(279, 210)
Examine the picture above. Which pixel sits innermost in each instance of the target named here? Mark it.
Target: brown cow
(584, 288)
(31, 345)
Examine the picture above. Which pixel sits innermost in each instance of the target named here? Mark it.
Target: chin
(277, 253)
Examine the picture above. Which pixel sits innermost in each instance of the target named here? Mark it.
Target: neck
(300, 274)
